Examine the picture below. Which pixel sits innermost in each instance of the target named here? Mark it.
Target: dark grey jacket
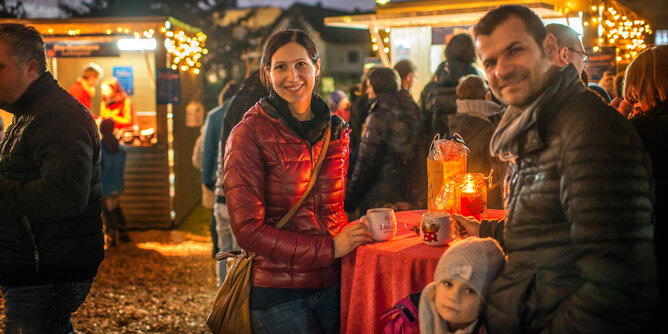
(578, 233)
(391, 163)
(50, 193)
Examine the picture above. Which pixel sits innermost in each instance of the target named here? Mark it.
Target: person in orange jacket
(84, 88)
(116, 104)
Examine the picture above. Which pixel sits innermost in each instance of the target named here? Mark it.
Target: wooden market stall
(418, 30)
(156, 60)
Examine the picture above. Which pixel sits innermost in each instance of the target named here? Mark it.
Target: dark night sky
(655, 10)
(48, 8)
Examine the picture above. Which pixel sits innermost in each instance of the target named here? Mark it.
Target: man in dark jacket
(578, 232)
(51, 240)
(438, 98)
(391, 162)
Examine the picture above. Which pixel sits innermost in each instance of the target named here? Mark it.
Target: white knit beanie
(473, 260)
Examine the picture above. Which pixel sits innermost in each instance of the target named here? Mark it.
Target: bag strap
(314, 176)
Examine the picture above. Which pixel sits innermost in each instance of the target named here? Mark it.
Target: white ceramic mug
(436, 228)
(382, 223)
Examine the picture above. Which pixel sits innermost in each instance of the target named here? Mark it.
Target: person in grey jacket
(51, 240)
(578, 194)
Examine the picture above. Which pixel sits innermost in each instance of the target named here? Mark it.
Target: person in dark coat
(250, 92)
(51, 239)
(651, 122)
(578, 194)
(359, 110)
(389, 167)
(475, 120)
(438, 98)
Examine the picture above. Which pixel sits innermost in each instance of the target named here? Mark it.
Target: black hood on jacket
(310, 130)
(449, 73)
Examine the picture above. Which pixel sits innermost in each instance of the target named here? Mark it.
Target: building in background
(405, 29)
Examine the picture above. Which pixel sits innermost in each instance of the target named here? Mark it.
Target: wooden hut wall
(187, 183)
(146, 200)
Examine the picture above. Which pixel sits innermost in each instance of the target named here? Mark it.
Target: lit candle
(470, 205)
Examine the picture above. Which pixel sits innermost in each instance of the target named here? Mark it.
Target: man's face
(14, 79)
(515, 65)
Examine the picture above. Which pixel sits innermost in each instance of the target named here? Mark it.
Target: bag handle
(314, 176)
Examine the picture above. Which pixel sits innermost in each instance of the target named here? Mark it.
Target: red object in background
(376, 276)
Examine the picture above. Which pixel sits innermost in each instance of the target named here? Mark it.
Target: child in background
(339, 105)
(455, 301)
(113, 170)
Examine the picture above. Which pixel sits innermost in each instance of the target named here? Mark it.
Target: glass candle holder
(471, 195)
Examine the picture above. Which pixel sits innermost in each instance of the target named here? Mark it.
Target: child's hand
(466, 226)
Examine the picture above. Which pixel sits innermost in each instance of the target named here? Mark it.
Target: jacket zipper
(316, 198)
(31, 237)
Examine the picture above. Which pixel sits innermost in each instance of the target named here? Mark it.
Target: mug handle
(364, 220)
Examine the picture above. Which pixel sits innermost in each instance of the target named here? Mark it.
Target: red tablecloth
(375, 276)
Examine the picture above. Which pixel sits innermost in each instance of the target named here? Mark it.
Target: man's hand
(466, 226)
(350, 238)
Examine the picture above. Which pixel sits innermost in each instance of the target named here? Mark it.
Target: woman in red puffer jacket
(269, 158)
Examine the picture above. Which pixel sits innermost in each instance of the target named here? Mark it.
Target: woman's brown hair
(647, 78)
(279, 39)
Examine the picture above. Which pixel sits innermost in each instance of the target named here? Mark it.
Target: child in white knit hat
(455, 301)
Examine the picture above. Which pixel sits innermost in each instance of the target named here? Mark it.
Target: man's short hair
(404, 68)
(471, 87)
(384, 80)
(94, 69)
(496, 17)
(565, 35)
(25, 43)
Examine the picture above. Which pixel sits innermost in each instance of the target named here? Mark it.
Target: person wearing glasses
(570, 49)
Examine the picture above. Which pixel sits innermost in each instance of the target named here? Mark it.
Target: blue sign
(168, 86)
(124, 76)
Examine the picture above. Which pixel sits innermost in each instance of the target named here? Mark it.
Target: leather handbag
(231, 308)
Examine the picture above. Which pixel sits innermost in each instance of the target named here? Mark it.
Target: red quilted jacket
(267, 169)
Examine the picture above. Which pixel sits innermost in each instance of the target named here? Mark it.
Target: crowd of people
(582, 170)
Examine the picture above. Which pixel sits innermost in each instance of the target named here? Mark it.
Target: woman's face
(457, 303)
(369, 90)
(293, 74)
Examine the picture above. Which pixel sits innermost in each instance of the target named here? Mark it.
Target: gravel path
(162, 282)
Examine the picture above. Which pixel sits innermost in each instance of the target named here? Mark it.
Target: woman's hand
(350, 238)
(466, 226)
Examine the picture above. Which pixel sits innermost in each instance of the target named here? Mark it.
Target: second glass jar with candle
(471, 195)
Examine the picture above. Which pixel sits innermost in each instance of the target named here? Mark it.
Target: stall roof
(73, 27)
(440, 13)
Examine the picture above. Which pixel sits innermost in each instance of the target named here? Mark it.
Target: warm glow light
(137, 44)
(186, 248)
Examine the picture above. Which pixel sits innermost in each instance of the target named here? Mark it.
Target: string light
(621, 28)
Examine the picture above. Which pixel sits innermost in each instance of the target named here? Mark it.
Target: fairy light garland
(618, 27)
(185, 50)
(384, 35)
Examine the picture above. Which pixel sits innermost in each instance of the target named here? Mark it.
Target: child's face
(457, 303)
